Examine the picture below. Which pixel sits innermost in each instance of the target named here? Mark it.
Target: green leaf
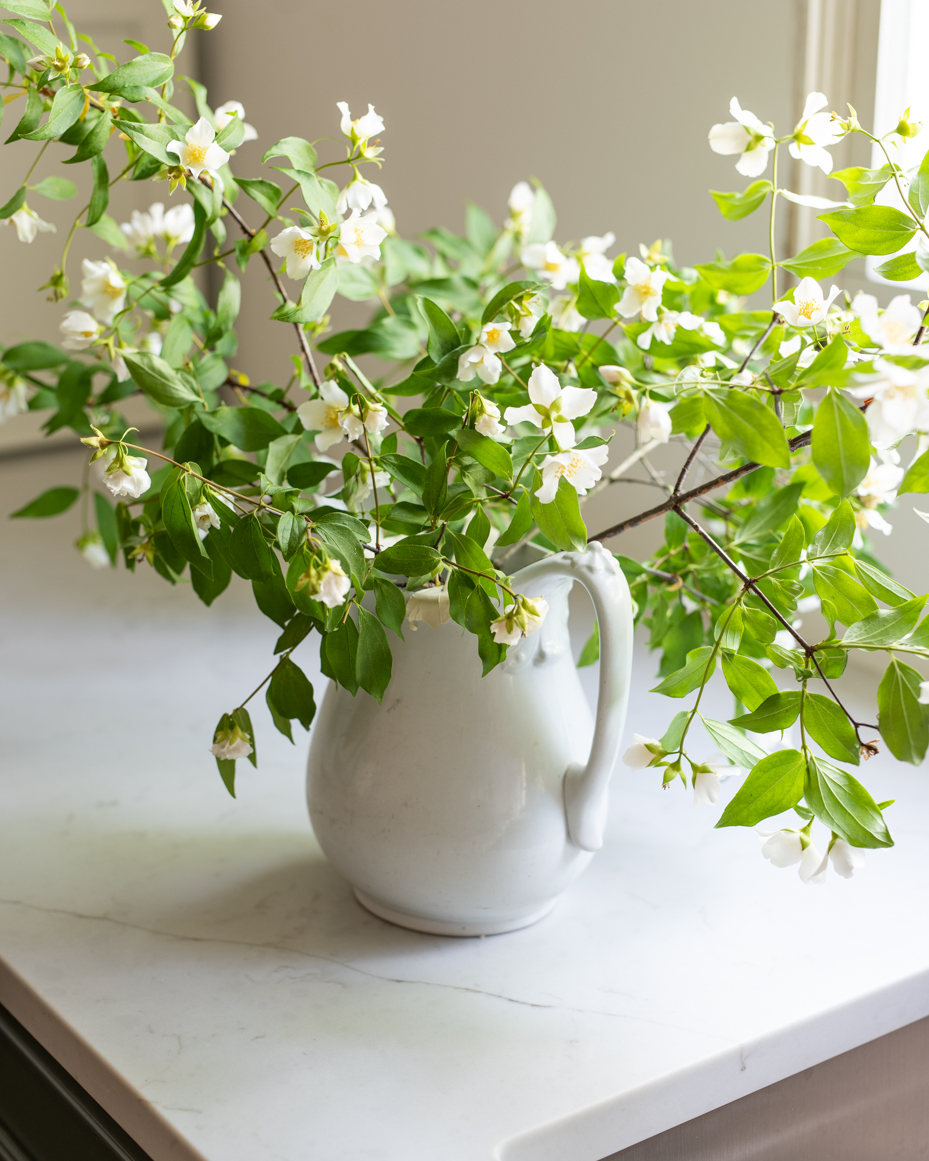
(743, 275)
(918, 193)
(915, 480)
(841, 444)
(390, 604)
(821, 260)
(697, 670)
(155, 378)
(340, 648)
(837, 534)
(744, 421)
(208, 588)
(248, 428)
(904, 723)
(729, 629)
(152, 139)
(181, 527)
(790, 549)
(734, 206)
(502, 297)
(374, 659)
(486, 451)
(840, 802)
(770, 513)
(826, 368)
(309, 475)
(273, 597)
(340, 536)
(93, 141)
(57, 189)
(479, 613)
(251, 554)
(34, 9)
(265, 193)
(46, 42)
(863, 185)
(292, 694)
(776, 712)
(880, 585)
(32, 115)
(232, 133)
(409, 557)
(830, 727)
(279, 452)
(871, 229)
(852, 600)
(543, 221)
(317, 294)
(50, 503)
(66, 108)
(773, 786)
(100, 197)
(191, 253)
(107, 525)
(596, 299)
(468, 553)
(733, 743)
(319, 194)
(443, 334)
(8, 210)
(430, 421)
(520, 523)
(33, 356)
(298, 628)
(107, 230)
(902, 268)
(12, 49)
(281, 723)
(299, 152)
(561, 521)
(590, 654)
(147, 71)
(749, 681)
(291, 534)
(886, 626)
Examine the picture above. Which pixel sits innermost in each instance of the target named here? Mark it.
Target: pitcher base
(444, 927)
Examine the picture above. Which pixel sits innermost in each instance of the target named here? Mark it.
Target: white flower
(79, 329)
(205, 518)
(534, 308)
(386, 220)
(495, 336)
(808, 307)
(429, 606)
(298, 246)
(481, 362)
(618, 376)
(714, 332)
(119, 363)
(813, 866)
(814, 132)
(881, 483)
(783, 848)
(581, 468)
(14, 397)
(235, 744)
(654, 422)
(898, 404)
(224, 114)
(153, 342)
(565, 314)
(747, 136)
(870, 518)
(552, 408)
(643, 290)
(144, 226)
(519, 620)
(706, 787)
(359, 130)
(186, 8)
(638, 755)
(102, 289)
(333, 585)
(662, 330)
(846, 859)
(132, 483)
(489, 419)
(209, 20)
(93, 551)
(924, 693)
(592, 253)
(360, 237)
(199, 151)
(892, 329)
(28, 223)
(555, 267)
(359, 195)
(326, 415)
(521, 201)
(178, 223)
(791, 346)
(376, 418)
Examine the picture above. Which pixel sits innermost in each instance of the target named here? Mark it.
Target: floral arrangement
(511, 361)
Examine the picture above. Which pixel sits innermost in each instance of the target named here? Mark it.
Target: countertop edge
(599, 1130)
(132, 1112)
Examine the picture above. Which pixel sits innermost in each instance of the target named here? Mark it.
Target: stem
(483, 575)
(259, 688)
(771, 227)
(527, 463)
(377, 507)
(672, 502)
(36, 162)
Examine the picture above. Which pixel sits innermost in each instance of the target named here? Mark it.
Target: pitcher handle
(585, 786)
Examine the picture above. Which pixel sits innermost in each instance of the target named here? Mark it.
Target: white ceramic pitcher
(466, 805)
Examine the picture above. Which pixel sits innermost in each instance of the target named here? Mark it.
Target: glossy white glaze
(445, 807)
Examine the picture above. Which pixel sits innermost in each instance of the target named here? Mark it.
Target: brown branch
(301, 334)
(794, 444)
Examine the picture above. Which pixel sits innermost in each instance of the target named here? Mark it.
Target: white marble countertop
(210, 979)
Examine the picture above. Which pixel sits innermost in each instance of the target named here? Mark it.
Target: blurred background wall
(606, 102)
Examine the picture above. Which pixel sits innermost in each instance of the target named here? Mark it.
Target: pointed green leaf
(773, 786)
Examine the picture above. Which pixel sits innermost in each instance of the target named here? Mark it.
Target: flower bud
(82, 61)
(175, 21)
(325, 581)
(907, 128)
(209, 20)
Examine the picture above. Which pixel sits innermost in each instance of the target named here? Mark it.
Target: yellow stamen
(304, 247)
(196, 154)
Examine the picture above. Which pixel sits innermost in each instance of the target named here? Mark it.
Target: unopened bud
(209, 20)
(907, 128)
(175, 21)
(82, 61)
